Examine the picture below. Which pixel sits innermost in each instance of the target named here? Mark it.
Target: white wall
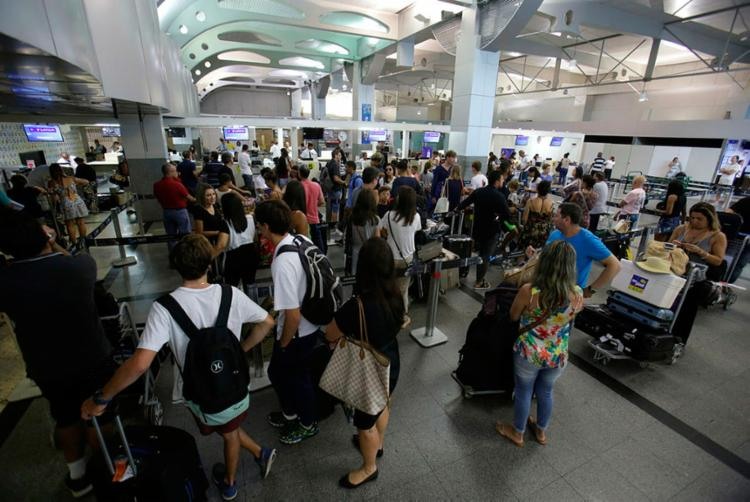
(536, 108)
(539, 143)
(245, 101)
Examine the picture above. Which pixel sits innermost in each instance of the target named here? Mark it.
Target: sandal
(539, 434)
(506, 431)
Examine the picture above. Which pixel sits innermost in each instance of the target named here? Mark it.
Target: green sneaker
(299, 433)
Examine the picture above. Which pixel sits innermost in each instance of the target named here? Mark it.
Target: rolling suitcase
(459, 244)
(641, 306)
(163, 463)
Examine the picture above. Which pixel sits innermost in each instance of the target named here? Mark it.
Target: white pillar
(473, 94)
(405, 139)
(361, 95)
(296, 98)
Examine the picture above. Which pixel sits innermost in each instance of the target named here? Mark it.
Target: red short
(226, 428)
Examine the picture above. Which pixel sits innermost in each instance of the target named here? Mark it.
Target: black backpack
(323, 293)
(215, 374)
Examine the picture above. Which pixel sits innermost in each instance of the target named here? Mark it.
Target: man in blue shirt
(589, 248)
(404, 179)
(355, 181)
(440, 175)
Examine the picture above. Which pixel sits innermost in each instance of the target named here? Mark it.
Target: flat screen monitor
(36, 156)
(378, 135)
(330, 137)
(49, 132)
(176, 132)
(426, 152)
(312, 132)
(111, 132)
(431, 137)
(236, 133)
(522, 140)
(556, 141)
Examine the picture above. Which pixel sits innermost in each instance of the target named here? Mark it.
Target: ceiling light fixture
(197, 72)
(572, 62)
(642, 96)
(183, 29)
(207, 64)
(200, 16)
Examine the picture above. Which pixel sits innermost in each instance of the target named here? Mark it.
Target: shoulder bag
(357, 374)
(398, 248)
(442, 204)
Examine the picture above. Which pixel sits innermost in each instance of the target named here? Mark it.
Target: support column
(405, 144)
(473, 95)
(294, 141)
(142, 138)
(296, 98)
(318, 106)
(363, 96)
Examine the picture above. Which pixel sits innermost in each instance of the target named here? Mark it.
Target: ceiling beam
(517, 23)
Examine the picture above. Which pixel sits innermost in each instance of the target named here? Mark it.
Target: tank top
(704, 244)
(546, 346)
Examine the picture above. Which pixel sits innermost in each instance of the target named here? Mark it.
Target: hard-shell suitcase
(164, 461)
(641, 306)
(640, 343)
(638, 317)
(458, 243)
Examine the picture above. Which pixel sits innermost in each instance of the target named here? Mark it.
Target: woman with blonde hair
(74, 210)
(545, 307)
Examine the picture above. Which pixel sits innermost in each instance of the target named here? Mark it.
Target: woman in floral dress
(545, 307)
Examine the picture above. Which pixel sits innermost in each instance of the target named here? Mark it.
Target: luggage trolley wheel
(676, 353)
(730, 299)
(154, 413)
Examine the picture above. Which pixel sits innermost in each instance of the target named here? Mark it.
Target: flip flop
(539, 434)
(506, 431)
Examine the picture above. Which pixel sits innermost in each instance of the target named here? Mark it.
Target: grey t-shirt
(602, 191)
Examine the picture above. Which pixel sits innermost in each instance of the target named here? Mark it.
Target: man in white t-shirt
(200, 300)
(245, 167)
(66, 161)
(275, 150)
(726, 177)
(478, 180)
(296, 337)
(309, 153)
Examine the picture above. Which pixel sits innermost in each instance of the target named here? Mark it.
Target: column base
(420, 336)
(125, 262)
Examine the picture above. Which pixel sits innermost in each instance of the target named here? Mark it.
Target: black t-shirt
(86, 172)
(381, 333)
(489, 204)
(186, 168)
(742, 207)
(51, 301)
(211, 222)
(405, 181)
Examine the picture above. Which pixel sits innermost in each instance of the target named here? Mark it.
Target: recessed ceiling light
(343, 87)
(183, 29)
(207, 64)
(643, 97)
(200, 16)
(197, 72)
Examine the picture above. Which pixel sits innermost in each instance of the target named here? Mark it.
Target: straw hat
(655, 265)
(677, 258)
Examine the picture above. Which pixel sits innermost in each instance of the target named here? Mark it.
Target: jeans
(177, 223)
(563, 176)
(531, 379)
(289, 372)
(486, 249)
(316, 235)
(249, 182)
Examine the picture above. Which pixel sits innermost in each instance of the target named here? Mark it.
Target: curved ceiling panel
(243, 57)
(354, 20)
(265, 7)
(249, 37)
(288, 74)
(244, 80)
(300, 61)
(314, 44)
(278, 81)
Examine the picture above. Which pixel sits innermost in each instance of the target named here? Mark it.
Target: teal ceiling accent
(354, 20)
(272, 7)
(323, 46)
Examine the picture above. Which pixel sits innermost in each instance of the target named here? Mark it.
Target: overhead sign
(42, 132)
(522, 140)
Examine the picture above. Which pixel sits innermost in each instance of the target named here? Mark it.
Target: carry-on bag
(641, 306)
(458, 243)
(147, 463)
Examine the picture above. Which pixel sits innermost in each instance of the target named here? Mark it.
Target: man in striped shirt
(598, 164)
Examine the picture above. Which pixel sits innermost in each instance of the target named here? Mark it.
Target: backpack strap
(226, 302)
(179, 315)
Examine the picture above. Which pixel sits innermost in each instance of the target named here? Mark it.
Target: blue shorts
(334, 199)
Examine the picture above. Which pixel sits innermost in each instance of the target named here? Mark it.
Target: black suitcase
(486, 358)
(641, 343)
(460, 245)
(167, 465)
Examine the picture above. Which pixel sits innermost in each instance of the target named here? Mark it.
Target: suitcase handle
(103, 444)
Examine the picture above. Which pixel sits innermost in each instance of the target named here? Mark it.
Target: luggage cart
(607, 347)
(153, 410)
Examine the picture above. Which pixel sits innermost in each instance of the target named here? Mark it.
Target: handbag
(398, 248)
(357, 374)
(442, 204)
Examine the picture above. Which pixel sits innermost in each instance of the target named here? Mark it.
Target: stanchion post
(430, 335)
(125, 260)
(643, 243)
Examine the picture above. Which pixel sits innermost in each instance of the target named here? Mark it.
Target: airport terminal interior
(626, 121)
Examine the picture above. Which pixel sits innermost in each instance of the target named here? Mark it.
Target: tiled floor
(604, 445)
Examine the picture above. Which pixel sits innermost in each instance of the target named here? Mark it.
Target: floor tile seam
(613, 471)
(724, 455)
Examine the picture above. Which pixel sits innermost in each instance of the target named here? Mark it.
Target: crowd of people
(224, 225)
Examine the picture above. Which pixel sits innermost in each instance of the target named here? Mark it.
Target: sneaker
(299, 433)
(78, 487)
(218, 473)
(277, 420)
(267, 457)
(406, 323)
(482, 285)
